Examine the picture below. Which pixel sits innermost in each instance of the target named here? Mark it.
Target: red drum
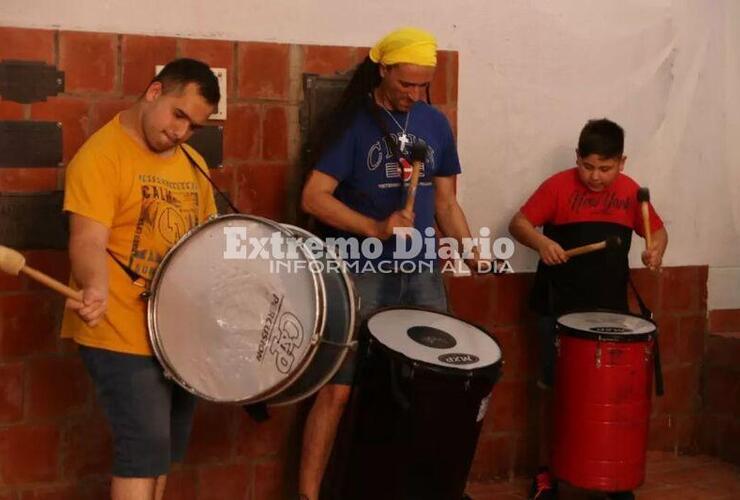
(603, 386)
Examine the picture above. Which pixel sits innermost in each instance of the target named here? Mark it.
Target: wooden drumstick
(643, 197)
(13, 262)
(610, 243)
(418, 157)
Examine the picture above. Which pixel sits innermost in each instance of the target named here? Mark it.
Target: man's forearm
(330, 211)
(89, 266)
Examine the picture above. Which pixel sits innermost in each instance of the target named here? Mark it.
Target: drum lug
(557, 346)
(648, 353)
(145, 295)
(467, 381)
(598, 355)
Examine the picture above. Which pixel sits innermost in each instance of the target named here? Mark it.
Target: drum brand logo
(609, 329)
(283, 335)
(458, 358)
(275, 304)
(289, 337)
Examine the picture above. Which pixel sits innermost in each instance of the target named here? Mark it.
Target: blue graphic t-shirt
(370, 180)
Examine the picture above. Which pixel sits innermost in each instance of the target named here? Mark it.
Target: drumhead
(340, 327)
(232, 329)
(434, 338)
(607, 324)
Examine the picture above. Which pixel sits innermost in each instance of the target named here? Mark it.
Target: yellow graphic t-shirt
(148, 202)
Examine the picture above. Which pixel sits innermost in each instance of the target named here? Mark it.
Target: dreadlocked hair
(356, 96)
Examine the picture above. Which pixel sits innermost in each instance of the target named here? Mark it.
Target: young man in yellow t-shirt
(132, 191)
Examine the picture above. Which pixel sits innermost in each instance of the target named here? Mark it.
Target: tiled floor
(667, 477)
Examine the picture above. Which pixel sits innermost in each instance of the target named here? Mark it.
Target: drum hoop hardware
(557, 345)
(348, 345)
(597, 354)
(467, 381)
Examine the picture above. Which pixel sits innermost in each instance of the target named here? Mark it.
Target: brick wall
(54, 443)
(720, 420)
(53, 440)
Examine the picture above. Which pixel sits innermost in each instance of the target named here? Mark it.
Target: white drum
(238, 310)
(422, 393)
(433, 338)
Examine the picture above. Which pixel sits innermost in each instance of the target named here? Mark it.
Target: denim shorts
(377, 290)
(150, 417)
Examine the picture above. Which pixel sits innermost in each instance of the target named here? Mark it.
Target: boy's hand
(93, 306)
(652, 258)
(551, 253)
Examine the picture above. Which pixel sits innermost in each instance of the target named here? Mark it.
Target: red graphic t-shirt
(564, 199)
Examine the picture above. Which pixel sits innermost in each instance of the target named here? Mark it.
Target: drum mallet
(418, 157)
(643, 197)
(610, 243)
(13, 262)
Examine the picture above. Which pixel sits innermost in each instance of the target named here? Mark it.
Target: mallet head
(613, 242)
(11, 261)
(643, 195)
(419, 151)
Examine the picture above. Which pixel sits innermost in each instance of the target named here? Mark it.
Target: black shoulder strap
(644, 311)
(215, 188)
(648, 314)
(130, 272)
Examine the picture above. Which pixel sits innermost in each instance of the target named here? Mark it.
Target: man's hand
(93, 306)
(477, 264)
(400, 219)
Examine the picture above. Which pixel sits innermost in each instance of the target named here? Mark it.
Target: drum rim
(606, 337)
(354, 302)
(460, 372)
(169, 368)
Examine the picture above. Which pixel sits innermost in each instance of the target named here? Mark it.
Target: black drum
(422, 391)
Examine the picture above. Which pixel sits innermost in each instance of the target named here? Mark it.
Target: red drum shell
(603, 388)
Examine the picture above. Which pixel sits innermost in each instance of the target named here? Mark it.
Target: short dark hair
(178, 73)
(602, 137)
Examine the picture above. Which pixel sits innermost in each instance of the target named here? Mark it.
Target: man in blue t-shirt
(357, 190)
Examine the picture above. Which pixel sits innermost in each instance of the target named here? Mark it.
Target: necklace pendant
(403, 140)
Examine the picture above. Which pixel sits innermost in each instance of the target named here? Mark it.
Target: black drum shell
(415, 425)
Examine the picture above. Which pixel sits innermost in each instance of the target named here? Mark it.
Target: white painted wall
(531, 74)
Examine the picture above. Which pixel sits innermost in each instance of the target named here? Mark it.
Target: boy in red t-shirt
(585, 204)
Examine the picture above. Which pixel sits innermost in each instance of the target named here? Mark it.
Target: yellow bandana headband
(406, 45)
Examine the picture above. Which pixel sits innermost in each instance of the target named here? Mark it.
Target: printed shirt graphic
(564, 199)
(148, 202)
(370, 180)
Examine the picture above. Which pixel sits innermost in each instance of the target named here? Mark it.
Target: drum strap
(215, 188)
(258, 411)
(138, 279)
(135, 278)
(648, 314)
